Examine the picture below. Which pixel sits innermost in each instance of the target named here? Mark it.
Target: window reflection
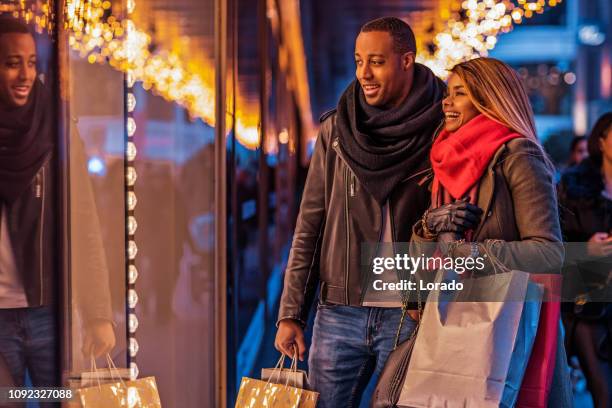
(96, 193)
(28, 181)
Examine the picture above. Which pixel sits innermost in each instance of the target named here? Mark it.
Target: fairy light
(475, 34)
(125, 54)
(38, 13)
(99, 37)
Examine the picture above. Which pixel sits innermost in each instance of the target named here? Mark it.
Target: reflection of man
(28, 244)
(362, 186)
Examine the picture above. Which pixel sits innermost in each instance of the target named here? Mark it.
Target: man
(28, 224)
(366, 184)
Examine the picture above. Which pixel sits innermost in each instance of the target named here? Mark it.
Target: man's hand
(600, 245)
(288, 336)
(99, 338)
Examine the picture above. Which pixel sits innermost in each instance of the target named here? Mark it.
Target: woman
(585, 198)
(493, 184)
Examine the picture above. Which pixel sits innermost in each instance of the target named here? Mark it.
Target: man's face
(17, 68)
(382, 73)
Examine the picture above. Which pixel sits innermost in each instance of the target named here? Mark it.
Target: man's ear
(408, 60)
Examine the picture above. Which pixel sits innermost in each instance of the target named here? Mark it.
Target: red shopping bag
(537, 381)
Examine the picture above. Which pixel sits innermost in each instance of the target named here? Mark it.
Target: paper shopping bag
(463, 349)
(523, 346)
(286, 376)
(141, 393)
(90, 378)
(258, 394)
(537, 381)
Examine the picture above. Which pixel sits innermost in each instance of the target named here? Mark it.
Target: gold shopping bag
(139, 393)
(258, 394)
(276, 391)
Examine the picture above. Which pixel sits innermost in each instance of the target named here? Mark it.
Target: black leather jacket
(337, 215)
(33, 229)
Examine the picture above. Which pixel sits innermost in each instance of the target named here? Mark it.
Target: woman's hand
(456, 217)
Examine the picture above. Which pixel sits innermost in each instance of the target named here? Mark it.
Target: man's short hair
(10, 25)
(403, 37)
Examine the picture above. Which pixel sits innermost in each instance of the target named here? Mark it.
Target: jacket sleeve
(302, 272)
(89, 270)
(529, 176)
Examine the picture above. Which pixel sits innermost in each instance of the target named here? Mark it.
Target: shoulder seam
(326, 114)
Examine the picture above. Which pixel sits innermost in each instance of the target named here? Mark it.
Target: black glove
(455, 217)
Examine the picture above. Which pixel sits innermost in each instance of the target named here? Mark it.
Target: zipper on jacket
(352, 185)
(364, 280)
(42, 228)
(393, 239)
(348, 236)
(38, 189)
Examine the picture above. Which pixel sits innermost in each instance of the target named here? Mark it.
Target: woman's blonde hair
(496, 91)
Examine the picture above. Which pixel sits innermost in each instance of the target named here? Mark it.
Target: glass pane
(96, 196)
(248, 267)
(175, 211)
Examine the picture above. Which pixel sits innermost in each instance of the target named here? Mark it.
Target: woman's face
(457, 107)
(605, 143)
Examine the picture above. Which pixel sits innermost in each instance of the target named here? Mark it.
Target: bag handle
(93, 368)
(495, 262)
(278, 368)
(111, 367)
(293, 368)
(403, 316)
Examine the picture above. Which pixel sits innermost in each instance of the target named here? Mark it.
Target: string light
(38, 13)
(465, 30)
(473, 31)
(126, 56)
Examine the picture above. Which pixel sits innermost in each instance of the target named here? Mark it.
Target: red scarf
(460, 158)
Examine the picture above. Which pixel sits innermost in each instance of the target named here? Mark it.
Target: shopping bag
(90, 378)
(258, 394)
(272, 393)
(463, 349)
(290, 376)
(539, 374)
(140, 393)
(525, 339)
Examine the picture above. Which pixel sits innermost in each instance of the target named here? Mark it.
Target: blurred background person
(585, 198)
(578, 151)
